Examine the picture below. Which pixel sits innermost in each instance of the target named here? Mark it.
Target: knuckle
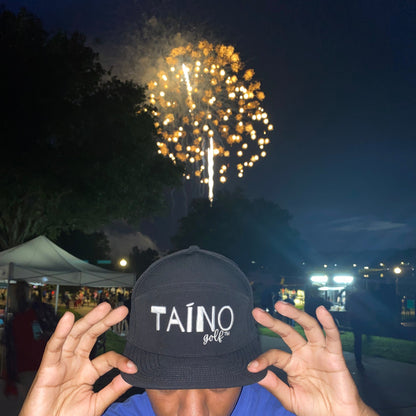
(112, 356)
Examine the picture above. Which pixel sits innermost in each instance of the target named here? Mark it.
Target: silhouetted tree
(87, 246)
(140, 260)
(254, 233)
(78, 146)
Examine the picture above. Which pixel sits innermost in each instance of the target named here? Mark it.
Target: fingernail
(130, 364)
(253, 364)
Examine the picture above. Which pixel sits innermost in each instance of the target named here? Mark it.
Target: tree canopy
(256, 234)
(140, 260)
(78, 145)
(91, 247)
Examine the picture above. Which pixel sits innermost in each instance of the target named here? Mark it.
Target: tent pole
(9, 278)
(56, 298)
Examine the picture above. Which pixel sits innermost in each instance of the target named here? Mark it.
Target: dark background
(339, 78)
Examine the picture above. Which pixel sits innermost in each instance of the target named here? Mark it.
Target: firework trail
(208, 107)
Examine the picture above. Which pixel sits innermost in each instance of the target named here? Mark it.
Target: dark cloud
(365, 224)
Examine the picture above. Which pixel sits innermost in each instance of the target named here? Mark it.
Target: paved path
(387, 386)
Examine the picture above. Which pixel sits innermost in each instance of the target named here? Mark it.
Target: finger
(278, 388)
(53, 349)
(84, 324)
(277, 358)
(90, 337)
(313, 331)
(110, 360)
(110, 393)
(333, 339)
(292, 338)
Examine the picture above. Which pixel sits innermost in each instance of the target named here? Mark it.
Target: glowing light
(319, 278)
(211, 170)
(341, 279)
(186, 75)
(207, 103)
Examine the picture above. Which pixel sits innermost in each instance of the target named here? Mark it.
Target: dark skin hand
(319, 381)
(63, 384)
(318, 377)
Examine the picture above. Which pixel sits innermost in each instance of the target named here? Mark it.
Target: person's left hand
(319, 380)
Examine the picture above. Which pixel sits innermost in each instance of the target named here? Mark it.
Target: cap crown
(191, 325)
(193, 303)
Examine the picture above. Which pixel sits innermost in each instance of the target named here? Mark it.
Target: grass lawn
(389, 348)
(63, 309)
(113, 341)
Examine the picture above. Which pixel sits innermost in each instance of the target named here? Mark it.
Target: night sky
(340, 84)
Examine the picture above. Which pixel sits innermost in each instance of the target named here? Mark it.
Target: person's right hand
(64, 382)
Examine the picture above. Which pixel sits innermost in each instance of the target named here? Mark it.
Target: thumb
(110, 393)
(104, 363)
(110, 360)
(278, 388)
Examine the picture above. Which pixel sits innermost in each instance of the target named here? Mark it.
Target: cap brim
(157, 371)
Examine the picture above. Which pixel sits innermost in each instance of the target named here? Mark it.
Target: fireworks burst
(208, 107)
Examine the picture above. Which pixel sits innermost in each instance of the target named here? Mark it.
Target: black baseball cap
(191, 325)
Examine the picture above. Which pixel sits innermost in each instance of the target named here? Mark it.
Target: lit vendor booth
(331, 290)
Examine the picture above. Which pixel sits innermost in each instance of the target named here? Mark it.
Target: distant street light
(123, 262)
(397, 271)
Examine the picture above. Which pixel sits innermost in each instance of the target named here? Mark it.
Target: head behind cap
(191, 325)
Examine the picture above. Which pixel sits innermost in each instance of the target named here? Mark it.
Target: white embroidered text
(194, 319)
(217, 336)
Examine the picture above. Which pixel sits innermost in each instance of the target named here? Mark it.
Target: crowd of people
(75, 298)
(33, 319)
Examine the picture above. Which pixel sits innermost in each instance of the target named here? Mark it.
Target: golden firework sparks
(209, 107)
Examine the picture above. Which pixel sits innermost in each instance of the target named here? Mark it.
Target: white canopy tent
(40, 261)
